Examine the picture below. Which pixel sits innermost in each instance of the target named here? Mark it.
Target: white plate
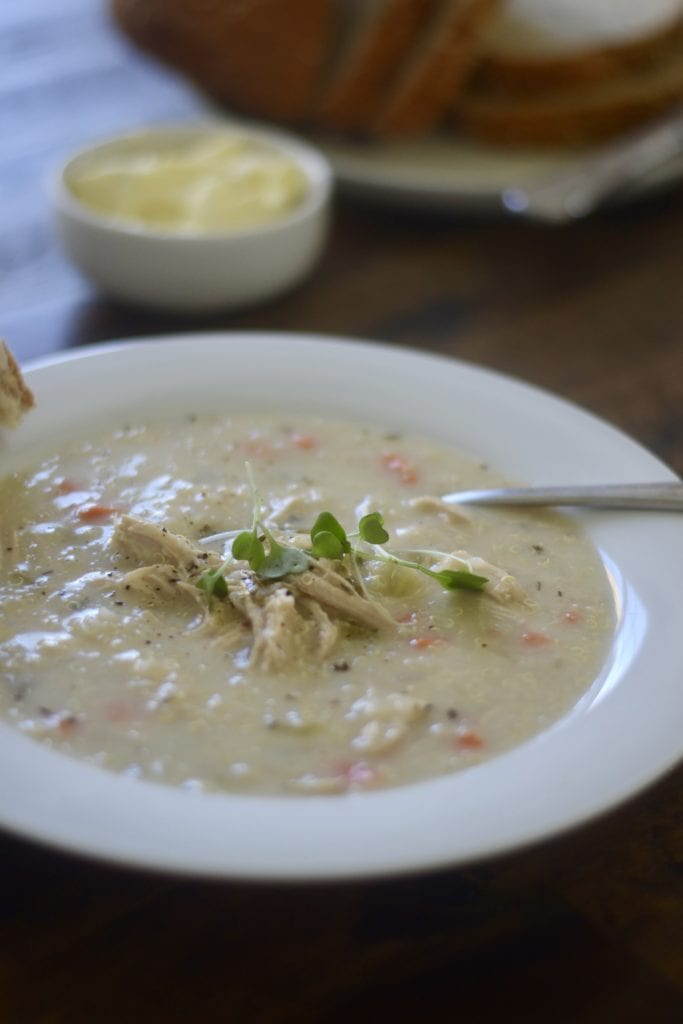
(454, 173)
(625, 735)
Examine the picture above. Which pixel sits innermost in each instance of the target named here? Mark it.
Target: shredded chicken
(338, 596)
(160, 583)
(285, 630)
(501, 585)
(149, 544)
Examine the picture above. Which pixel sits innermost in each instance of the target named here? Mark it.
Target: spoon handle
(664, 497)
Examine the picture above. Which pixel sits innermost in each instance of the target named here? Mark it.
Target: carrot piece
(67, 486)
(93, 513)
(304, 441)
(469, 739)
(427, 640)
(574, 614)
(408, 617)
(536, 639)
(67, 724)
(401, 467)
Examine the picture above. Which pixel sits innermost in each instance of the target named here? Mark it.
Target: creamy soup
(130, 639)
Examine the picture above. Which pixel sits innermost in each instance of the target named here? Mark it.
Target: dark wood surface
(585, 928)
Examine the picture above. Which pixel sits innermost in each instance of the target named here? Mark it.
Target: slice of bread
(548, 44)
(371, 38)
(263, 57)
(578, 115)
(431, 76)
(16, 398)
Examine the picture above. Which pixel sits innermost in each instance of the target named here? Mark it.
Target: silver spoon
(663, 497)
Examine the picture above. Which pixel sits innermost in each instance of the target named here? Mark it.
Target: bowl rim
(607, 750)
(311, 161)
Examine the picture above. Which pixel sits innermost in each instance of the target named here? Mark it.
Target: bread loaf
(430, 77)
(373, 66)
(543, 72)
(534, 45)
(579, 102)
(16, 397)
(372, 36)
(262, 57)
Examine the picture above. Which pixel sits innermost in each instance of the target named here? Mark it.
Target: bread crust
(429, 81)
(583, 115)
(16, 398)
(533, 74)
(263, 57)
(356, 86)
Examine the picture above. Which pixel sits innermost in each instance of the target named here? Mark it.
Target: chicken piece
(337, 595)
(160, 583)
(501, 585)
(285, 631)
(149, 544)
(429, 503)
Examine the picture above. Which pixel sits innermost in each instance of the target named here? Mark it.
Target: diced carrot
(304, 441)
(67, 486)
(67, 724)
(427, 640)
(93, 513)
(401, 467)
(408, 617)
(536, 639)
(469, 739)
(574, 614)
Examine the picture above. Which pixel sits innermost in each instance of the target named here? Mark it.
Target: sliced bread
(578, 115)
(263, 57)
(371, 38)
(439, 61)
(548, 44)
(16, 398)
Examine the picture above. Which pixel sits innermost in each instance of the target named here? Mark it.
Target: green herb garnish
(271, 560)
(330, 540)
(371, 529)
(213, 582)
(329, 537)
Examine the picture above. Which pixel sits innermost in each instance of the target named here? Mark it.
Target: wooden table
(585, 928)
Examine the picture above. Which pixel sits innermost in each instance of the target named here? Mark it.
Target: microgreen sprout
(277, 560)
(371, 530)
(271, 560)
(329, 538)
(213, 583)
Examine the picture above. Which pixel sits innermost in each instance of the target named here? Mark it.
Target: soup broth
(113, 650)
